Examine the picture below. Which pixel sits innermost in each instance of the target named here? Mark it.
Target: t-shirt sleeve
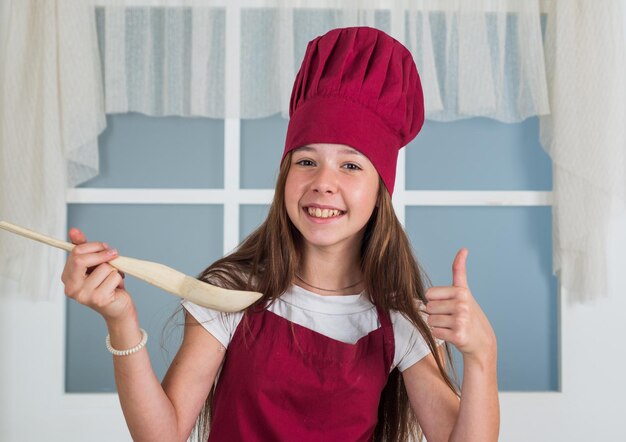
(221, 325)
(410, 345)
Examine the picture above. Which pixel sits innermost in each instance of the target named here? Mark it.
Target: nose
(325, 180)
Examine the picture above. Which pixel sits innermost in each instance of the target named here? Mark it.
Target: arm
(434, 404)
(164, 412)
(479, 414)
(455, 316)
(153, 412)
(192, 373)
(440, 414)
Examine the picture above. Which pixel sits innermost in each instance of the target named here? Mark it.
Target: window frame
(100, 413)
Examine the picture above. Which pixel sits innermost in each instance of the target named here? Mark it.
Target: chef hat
(360, 87)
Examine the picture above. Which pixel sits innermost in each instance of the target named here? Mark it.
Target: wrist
(123, 321)
(128, 351)
(124, 331)
(484, 361)
(484, 354)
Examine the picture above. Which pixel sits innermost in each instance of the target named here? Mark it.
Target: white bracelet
(136, 348)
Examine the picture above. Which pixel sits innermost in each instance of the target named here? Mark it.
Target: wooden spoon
(161, 276)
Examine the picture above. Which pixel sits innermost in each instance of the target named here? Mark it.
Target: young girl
(343, 346)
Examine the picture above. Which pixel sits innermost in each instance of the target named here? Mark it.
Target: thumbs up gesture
(455, 316)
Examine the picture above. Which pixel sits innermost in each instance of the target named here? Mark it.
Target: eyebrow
(348, 150)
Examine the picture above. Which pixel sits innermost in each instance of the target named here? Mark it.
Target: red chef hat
(360, 87)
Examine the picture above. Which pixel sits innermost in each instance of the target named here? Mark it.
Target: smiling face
(330, 194)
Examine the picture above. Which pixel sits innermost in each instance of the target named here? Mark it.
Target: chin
(319, 242)
(327, 240)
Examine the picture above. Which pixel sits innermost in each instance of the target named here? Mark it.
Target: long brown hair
(268, 258)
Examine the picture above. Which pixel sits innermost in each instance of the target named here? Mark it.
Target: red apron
(285, 382)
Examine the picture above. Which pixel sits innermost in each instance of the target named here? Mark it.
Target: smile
(316, 212)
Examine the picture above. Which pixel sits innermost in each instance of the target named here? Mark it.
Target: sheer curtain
(585, 135)
(51, 111)
(475, 57)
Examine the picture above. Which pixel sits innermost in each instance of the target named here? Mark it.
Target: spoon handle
(36, 236)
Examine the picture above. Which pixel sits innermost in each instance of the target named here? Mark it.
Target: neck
(331, 271)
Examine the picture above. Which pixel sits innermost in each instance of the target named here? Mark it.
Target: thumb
(459, 272)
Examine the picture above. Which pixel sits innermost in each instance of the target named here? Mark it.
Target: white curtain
(51, 111)
(585, 135)
(475, 57)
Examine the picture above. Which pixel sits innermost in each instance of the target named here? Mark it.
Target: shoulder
(400, 320)
(410, 344)
(403, 328)
(202, 313)
(221, 325)
(402, 324)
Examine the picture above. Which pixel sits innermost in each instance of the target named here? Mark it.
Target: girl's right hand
(90, 281)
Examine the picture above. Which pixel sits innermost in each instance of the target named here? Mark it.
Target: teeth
(319, 213)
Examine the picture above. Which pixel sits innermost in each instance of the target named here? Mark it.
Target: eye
(304, 162)
(352, 166)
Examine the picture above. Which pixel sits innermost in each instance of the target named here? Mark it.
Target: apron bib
(285, 382)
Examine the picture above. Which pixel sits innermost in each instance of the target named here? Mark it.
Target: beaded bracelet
(136, 348)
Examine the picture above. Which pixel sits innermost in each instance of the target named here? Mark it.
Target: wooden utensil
(161, 276)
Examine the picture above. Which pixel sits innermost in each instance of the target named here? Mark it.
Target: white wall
(591, 405)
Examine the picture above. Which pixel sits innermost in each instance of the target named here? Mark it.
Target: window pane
(138, 151)
(478, 154)
(185, 237)
(262, 145)
(251, 217)
(508, 272)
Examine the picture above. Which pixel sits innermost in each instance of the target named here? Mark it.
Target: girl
(344, 343)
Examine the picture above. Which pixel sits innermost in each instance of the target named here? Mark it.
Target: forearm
(148, 411)
(479, 409)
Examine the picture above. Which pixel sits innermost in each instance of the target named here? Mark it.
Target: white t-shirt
(346, 318)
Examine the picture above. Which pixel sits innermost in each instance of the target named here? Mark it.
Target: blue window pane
(478, 154)
(250, 217)
(182, 237)
(509, 273)
(262, 145)
(138, 151)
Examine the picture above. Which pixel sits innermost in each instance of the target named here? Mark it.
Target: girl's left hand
(455, 316)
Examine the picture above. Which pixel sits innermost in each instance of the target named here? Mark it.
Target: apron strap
(388, 336)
